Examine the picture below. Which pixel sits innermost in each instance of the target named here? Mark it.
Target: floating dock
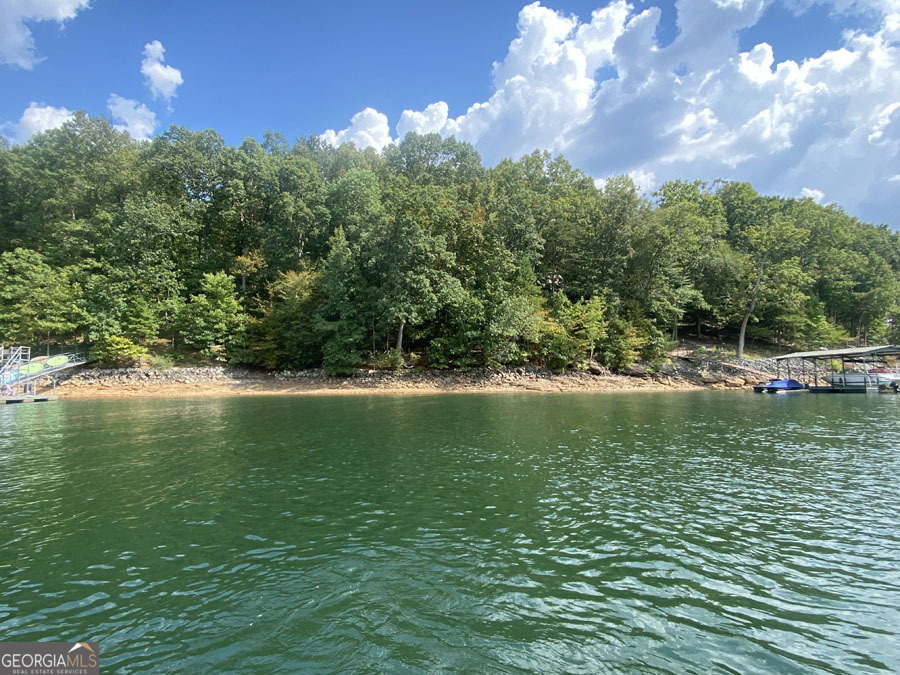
(38, 398)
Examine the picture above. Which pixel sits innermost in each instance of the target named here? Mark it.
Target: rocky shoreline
(677, 374)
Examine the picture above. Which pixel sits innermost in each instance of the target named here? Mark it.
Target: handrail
(18, 358)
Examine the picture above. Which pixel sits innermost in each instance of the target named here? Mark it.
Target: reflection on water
(582, 533)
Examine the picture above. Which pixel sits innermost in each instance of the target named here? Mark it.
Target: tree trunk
(753, 298)
(699, 333)
(400, 336)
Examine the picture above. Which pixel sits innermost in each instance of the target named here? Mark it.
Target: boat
(886, 376)
(779, 387)
(850, 379)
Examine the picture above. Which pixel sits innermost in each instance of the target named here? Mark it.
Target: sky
(799, 97)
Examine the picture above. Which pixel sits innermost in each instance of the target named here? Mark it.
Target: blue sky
(801, 98)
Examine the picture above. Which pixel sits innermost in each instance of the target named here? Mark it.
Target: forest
(307, 255)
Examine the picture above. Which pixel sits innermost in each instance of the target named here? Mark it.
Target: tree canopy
(309, 255)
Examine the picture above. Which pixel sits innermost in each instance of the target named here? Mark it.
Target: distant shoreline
(221, 382)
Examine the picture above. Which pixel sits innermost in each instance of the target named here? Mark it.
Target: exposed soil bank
(681, 374)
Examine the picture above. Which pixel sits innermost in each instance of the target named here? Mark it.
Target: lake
(652, 532)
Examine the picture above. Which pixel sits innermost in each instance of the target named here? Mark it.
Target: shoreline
(211, 382)
(222, 391)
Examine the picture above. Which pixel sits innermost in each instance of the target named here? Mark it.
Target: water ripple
(650, 533)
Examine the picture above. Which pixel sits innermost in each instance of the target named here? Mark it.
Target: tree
(285, 336)
(37, 302)
(765, 234)
(408, 264)
(212, 318)
(338, 318)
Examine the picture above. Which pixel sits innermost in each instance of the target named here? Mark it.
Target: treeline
(308, 255)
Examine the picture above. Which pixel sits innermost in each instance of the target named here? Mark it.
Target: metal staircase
(19, 372)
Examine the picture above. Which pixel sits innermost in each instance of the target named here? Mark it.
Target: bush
(622, 344)
(392, 360)
(164, 362)
(115, 351)
(340, 355)
(557, 347)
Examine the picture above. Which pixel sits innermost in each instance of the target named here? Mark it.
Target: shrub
(392, 360)
(164, 362)
(115, 351)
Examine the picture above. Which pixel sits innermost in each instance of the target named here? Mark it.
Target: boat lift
(846, 381)
(20, 372)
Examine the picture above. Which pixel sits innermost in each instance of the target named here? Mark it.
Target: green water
(696, 532)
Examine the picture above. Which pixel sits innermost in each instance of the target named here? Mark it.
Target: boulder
(667, 369)
(635, 370)
(711, 378)
(596, 369)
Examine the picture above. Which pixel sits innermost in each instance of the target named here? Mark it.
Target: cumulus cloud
(644, 181)
(368, 129)
(35, 119)
(604, 92)
(542, 89)
(16, 41)
(128, 115)
(162, 79)
(812, 193)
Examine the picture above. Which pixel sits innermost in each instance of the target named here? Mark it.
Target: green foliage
(557, 348)
(38, 303)
(284, 334)
(391, 360)
(622, 345)
(338, 318)
(212, 319)
(116, 351)
(310, 255)
(163, 362)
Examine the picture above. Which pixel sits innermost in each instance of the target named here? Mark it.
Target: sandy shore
(146, 386)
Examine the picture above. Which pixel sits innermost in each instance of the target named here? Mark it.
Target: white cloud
(542, 89)
(605, 93)
(644, 181)
(135, 118)
(16, 42)
(368, 129)
(162, 79)
(35, 119)
(431, 120)
(811, 193)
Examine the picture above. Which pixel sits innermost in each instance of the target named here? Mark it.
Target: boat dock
(863, 370)
(39, 398)
(20, 373)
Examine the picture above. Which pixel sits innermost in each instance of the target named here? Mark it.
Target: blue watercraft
(779, 387)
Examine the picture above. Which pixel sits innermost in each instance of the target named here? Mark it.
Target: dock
(37, 398)
(20, 373)
(861, 378)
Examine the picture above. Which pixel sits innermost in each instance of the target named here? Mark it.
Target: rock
(635, 370)
(597, 369)
(667, 369)
(711, 378)
(735, 382)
